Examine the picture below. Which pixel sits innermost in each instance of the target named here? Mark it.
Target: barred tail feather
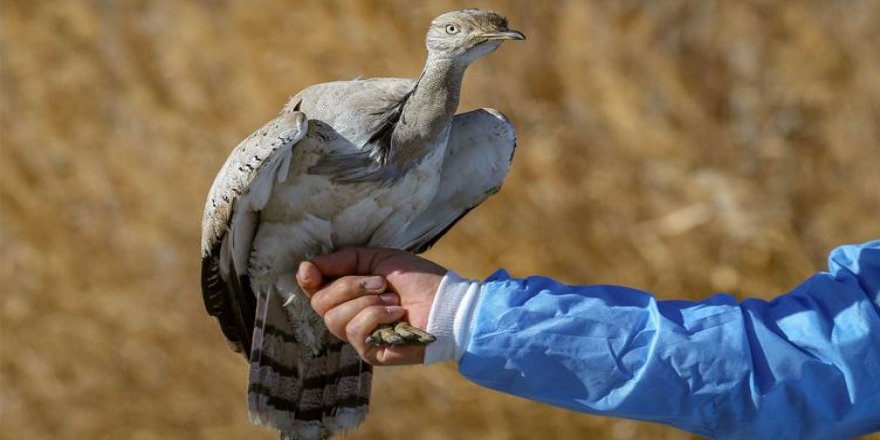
(274, 376)
(303, 394)
(347, 390)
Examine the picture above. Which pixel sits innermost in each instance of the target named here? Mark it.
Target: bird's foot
(401, 333)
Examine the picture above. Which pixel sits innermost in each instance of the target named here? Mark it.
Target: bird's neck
(427, 114)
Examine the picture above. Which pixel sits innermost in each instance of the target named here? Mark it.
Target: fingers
(349, 261)
(381, 355)
(389, 263)
(338, 318)
(346, 289)
(358, 329)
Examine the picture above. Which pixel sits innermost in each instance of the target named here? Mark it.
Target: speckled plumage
(377, 162)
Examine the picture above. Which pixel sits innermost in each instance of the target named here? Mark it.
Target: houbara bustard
(381, 162)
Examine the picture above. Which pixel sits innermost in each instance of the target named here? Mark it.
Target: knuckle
(330, 317)
(364, 323)
(353, 328)
(332, 322)
(317, 302)
(338, 325)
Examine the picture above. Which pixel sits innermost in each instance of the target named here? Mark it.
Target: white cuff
(452, 318)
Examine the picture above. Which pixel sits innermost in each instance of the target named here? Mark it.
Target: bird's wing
(240, 191)
(478, 157)
(380, 103)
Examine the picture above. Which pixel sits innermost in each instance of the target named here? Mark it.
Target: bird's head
(468, 34)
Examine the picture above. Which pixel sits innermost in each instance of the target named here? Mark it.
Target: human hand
(357, 289)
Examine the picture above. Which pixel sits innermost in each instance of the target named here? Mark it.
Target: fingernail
(388, 298)
(374, 283)
(394, 310)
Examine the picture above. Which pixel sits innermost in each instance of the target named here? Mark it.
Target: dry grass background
(683, 147)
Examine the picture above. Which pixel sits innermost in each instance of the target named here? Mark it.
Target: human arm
(803, 365)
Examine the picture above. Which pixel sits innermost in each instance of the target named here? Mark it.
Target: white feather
(477, 161)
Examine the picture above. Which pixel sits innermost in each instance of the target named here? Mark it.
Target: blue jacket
(804, 365)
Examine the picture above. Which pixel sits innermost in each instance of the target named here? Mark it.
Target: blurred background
(682, 147)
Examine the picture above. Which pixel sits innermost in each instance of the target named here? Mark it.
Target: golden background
(683, 147)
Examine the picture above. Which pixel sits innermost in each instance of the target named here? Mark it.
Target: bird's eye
(451, 29)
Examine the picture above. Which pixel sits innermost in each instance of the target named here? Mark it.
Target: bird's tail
(303, 394)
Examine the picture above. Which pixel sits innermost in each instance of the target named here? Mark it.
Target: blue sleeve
(804, 365)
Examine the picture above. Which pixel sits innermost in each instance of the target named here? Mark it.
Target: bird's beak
(504, 35)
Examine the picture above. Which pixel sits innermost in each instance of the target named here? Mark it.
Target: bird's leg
(400, 333)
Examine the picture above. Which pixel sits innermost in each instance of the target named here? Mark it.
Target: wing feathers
(244, 167)
(478, 158)
(231, 216)
(230, 301)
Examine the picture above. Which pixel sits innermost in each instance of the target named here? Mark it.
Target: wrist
(450, 319)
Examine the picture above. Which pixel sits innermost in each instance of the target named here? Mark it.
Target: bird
(380, 162)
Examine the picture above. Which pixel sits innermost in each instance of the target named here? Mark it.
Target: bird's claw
(401, 333)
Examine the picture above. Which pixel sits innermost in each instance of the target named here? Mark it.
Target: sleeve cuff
(451, 318)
